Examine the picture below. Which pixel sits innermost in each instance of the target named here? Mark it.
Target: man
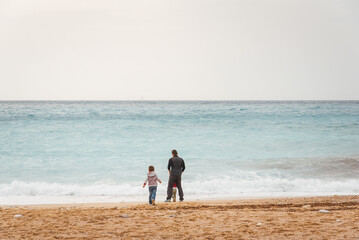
(175, 168)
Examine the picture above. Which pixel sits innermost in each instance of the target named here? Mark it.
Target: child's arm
(159, 180)
(144, 184)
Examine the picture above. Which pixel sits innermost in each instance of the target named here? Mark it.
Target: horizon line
(176, 100)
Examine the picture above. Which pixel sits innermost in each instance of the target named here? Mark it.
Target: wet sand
(279, 218)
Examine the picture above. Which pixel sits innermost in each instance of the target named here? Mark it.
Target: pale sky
(179, 50)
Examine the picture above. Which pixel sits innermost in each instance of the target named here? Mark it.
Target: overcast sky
(179, 50)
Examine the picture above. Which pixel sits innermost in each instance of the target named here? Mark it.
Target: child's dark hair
(151, 168)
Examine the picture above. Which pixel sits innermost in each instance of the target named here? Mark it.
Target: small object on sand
(17, 216)
(306, 206)
(259, 224)
(323, 211)
(172, 215)
(125, 216)
(338, 220)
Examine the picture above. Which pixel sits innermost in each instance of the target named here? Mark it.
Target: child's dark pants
(152, 190)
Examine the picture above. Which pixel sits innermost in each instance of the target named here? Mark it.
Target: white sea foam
(19, 192)
(20, 188)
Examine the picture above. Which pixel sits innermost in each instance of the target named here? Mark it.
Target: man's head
(174, 153)
(151, 168)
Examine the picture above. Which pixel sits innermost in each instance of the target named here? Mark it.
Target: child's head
(151, 168)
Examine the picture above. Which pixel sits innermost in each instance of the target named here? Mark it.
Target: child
(174, 192)
(152, 184)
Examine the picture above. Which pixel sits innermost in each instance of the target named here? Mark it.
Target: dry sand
(281, 218)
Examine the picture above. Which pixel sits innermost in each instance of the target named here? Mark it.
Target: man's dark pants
(174, 178)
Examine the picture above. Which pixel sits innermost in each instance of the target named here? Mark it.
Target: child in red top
(174, 192)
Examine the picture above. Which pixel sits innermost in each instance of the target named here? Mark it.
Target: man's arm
(183, 166)
(169, 165)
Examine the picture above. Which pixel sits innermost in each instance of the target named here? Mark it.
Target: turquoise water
(231, 149)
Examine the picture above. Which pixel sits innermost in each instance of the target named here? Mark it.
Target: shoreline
(159, 200)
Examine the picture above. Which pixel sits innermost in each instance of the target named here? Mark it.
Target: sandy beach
(279, 218)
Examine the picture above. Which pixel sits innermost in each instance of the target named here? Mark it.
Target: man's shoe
(168, 200)
(181, 200)
(153, 202)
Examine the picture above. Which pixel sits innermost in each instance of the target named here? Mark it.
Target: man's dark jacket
(176, 165)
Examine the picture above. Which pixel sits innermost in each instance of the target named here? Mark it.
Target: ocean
(99, 151)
